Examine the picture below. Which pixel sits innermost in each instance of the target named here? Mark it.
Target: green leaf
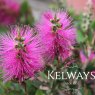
(43, 75)
(3, 29)
(93, 24)
(39, 92)
(82, 91)
(90, 37)
(80, 37)
(90, 67)
(36, 83)
(26, 16)
(24, 7)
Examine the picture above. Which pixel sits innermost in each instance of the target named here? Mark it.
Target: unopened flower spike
(20, 40)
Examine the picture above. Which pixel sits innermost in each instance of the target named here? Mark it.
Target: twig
(24, 87)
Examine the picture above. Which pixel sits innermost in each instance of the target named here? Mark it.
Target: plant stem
(25, 88)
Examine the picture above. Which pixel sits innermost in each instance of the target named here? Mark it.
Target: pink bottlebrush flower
(20, 51)
(9, 11)
(57, 33)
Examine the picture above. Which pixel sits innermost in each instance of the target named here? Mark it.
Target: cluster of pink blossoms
(22, 49)
(9, 11)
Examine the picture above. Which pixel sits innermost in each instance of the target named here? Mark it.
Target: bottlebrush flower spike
(20, 52)
(57, 33)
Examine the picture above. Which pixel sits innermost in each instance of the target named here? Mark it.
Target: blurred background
(36, 7)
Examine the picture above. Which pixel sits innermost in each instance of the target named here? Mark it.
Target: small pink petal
(83, 58)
